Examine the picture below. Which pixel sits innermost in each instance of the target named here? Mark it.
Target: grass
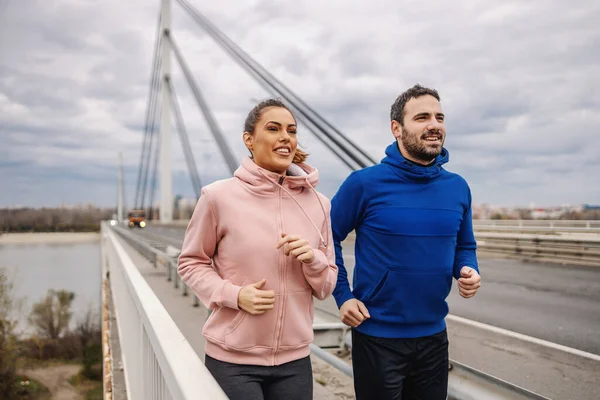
(30, 389)
(91, 389)
(96, 393)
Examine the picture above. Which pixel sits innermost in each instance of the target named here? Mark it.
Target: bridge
(531, 333)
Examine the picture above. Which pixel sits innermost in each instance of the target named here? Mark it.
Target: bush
(96, 393)
(51, 316)
(92, 359)
(83, 344)
(26, 388)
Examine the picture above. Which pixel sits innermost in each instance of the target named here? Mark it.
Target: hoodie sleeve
(195, 261)
(466, 245)
(322, 273)
(347, 208)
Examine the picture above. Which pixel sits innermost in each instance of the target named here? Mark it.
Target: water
(35, 268)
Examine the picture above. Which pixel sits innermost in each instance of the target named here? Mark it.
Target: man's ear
(396, 129)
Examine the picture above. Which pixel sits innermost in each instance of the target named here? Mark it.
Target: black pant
(400, 369)
(293, 380)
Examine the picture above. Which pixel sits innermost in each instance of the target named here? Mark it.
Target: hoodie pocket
(297, 320)
(248, 331)
(410, 296)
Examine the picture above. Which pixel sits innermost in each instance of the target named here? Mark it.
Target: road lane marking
(524, 338)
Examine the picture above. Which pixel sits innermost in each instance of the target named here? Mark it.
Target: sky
(519, 84)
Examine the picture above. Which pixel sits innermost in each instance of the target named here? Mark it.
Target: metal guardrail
(158, 361)
(158, 253)
(579, 250)
(537, 226)
(466, 383)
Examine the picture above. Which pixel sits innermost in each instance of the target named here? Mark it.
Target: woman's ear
(248, 140)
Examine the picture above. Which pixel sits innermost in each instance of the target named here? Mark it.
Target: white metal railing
(158, 361)
(584, 250)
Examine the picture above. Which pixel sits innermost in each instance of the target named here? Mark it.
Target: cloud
(518, 83)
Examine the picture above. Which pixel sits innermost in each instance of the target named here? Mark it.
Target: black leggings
(289, 381)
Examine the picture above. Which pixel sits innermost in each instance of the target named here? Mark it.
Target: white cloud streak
(519, 85)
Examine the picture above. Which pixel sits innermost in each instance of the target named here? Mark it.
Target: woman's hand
(297, 247)
(254, 300)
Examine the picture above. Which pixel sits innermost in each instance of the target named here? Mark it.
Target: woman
(257, 249)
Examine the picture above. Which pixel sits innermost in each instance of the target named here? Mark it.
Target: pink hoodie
(231, 242)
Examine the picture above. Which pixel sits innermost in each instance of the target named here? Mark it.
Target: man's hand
(353, 312)
(469, 282)
(297, 247)
(254, 300)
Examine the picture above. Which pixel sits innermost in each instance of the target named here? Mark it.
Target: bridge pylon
(166, 189)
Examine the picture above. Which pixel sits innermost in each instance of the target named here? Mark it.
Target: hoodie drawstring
(323, 242)
(322, 209)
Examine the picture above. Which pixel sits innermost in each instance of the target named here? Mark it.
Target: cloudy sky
(519, 83)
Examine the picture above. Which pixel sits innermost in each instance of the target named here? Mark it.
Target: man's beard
(416, 147)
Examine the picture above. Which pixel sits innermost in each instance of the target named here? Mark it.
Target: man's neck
(412, 159)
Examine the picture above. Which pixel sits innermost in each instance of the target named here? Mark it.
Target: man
(414, 232)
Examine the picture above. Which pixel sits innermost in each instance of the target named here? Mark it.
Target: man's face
(423, 134)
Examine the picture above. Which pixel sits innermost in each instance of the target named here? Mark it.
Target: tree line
(80, 219)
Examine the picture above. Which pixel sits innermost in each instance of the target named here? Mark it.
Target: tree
(8, 340)
(88, 328)
(51, 316)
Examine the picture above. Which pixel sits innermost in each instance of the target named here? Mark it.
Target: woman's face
(273, 142)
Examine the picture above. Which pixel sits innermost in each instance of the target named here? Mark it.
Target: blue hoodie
(413, 234)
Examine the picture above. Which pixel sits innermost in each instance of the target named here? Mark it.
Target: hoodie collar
(413, 171)
(258, 179)
(298, 178)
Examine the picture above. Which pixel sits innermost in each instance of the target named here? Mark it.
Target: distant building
(185, 207)
(590, 207)
(487, 211)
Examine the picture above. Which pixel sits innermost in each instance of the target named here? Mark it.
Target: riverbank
(49, 238)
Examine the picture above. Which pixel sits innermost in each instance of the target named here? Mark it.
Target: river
(35, 266)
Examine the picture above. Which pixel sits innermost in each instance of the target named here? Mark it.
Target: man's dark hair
(397, 111)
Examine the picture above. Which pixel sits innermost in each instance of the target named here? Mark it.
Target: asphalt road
(560, 304)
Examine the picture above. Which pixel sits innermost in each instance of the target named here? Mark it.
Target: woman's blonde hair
(256, 113)
(300, 156)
